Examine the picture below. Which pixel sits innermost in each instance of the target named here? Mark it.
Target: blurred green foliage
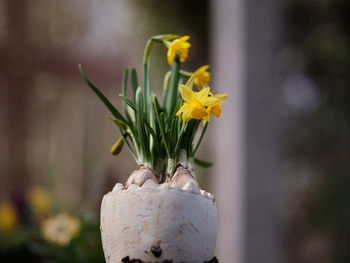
(22, 237)
(27, 245)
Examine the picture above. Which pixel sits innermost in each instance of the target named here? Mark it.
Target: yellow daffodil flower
(8, 217)
(195, 102)
(178, 45)
(202, 77)
(215, 109)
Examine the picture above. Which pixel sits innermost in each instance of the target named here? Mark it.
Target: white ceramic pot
(156, 222)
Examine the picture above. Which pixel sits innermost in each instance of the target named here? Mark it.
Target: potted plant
(161, 214)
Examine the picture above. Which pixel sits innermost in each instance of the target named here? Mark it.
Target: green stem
(146, 86)
(186, 73)
(147, 50)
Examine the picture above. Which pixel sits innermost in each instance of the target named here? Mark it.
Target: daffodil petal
(185, 45)
(171, 56)
(206, 119)
(202, 93)
(186, 93)
(208, 101)
(183, 108)
(215, 110)
(221, 97)
(191, 81)
(178, 45)
(197, 110)
(184, 38)
(202, 68)
(186, 116)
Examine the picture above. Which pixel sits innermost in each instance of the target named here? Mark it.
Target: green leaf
(153, 130)
(125, 82)
(162, 125)
(202, 163)
(121, 124)
(176, 108)
(131, 114)
(187, 137)
(107, 103)
(134, 81)
(201, 138)
(154, 135)
(124, 90)
(193, 133)
(156, 109)
(146, 91)
(172, 133)
(160, 119)
(140, 125)
(166, 80)
(170, 100)
(180, 135)
(129, 148)
(127, 101)
(156, 103)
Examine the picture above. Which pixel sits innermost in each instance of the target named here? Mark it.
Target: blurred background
(281, 150)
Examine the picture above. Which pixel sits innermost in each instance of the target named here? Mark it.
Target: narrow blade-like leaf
(170, 100)
(134, 81)
(202, 163)
(107, 103)
(121, 124)
(127, 101)
(200, 138)
(124, 90)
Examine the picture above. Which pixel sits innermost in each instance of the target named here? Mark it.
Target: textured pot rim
(188, 187)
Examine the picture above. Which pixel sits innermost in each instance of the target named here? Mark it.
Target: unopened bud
(117, 147)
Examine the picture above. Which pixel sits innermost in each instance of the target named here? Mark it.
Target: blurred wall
(53, 132)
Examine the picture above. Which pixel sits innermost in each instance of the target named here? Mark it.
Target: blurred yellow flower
(40, 201)
(60, 229)
(195, 102)
(8, 217)
(178, 45)
(202, 77)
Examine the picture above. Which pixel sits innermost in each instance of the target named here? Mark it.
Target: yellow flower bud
(117, 147)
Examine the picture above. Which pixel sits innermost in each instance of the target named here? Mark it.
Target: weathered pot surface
(156, 222)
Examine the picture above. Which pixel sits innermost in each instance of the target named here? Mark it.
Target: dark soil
(156, 251)
(128, 260)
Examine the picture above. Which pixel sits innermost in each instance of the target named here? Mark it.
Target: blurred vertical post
(228, 133)
(247, 165)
